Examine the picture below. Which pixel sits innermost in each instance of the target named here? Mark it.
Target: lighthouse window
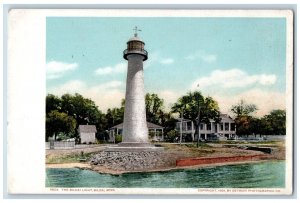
(135, 45)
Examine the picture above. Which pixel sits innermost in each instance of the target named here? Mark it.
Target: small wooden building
(87, 134)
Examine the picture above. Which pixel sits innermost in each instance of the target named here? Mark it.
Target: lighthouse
(135, 131)
(135, 152)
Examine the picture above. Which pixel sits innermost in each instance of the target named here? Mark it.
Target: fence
(60, 145)
(263, 137)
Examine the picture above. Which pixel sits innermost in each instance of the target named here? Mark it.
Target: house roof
(87, 129)
(152, 125)
(224, 118)
(149, 126)
(183, 119)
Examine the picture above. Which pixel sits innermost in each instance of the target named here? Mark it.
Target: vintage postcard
(150, 102)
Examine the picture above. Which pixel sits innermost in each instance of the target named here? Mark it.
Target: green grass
(247, 142)
(190, 149)
(266, 142)
(70, 158)
(201, 145)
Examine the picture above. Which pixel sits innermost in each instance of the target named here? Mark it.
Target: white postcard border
(26, 62)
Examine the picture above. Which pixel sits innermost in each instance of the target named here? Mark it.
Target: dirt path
(69, 165)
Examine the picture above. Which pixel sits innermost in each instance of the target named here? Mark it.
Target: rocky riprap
(129, 161)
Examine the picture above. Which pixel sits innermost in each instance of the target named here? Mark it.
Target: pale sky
(226, 58)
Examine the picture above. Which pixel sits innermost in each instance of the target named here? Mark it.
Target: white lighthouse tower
(135, 131)
(135, 151)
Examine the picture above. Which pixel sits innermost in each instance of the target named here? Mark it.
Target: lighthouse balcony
(142, 52)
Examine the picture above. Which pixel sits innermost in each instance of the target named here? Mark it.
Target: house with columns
(156, 132)
(223, 130)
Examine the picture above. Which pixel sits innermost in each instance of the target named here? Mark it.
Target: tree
(275, 122)
(171, 135)
(114, 116)
(154, 111)
(255, 126)
(196, 107)
(52, 103)
(154, 108)
(83, 110)
(243, 116)
(243, 109)
(59, 122)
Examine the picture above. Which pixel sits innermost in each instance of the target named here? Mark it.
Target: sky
(228, 59)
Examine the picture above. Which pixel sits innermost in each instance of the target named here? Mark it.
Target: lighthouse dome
(135, 46)
(135, 38)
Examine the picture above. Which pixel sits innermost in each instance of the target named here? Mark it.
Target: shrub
(171, 135)
(100, 141)
(118, 138)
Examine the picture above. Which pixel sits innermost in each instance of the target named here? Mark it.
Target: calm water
(258, 175)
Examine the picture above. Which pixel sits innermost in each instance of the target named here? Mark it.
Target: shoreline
(103, 170)
(69, 165)
(174, 157)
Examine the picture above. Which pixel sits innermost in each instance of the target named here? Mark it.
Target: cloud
(155, 57)
(169, 97)
(167, 61)
(109, 94)
(233, 78)
(202, 55)
(228, 87)
(56, 69)
(108, 70)
(105, 95)
(264, 100)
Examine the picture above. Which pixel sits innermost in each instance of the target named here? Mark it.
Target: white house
(156, 131)
(212, 131)
(87, 133)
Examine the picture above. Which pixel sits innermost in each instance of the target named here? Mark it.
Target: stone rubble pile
(129, 161)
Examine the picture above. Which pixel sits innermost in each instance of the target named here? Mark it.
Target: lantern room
(135, 46)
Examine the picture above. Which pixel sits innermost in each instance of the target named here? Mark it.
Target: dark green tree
(196, 107)
(52, 103)
(255, 126)
(275, 122)
(243, 109)
(83, 110)
(59, 122)
(243, 116)
(114, 116)
(154, 108)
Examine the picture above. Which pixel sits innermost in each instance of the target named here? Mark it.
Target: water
(258, 175)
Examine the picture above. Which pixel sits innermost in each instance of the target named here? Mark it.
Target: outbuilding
(87, 134)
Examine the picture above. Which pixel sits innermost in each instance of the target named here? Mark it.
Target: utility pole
(198, 138)
(181, 127)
